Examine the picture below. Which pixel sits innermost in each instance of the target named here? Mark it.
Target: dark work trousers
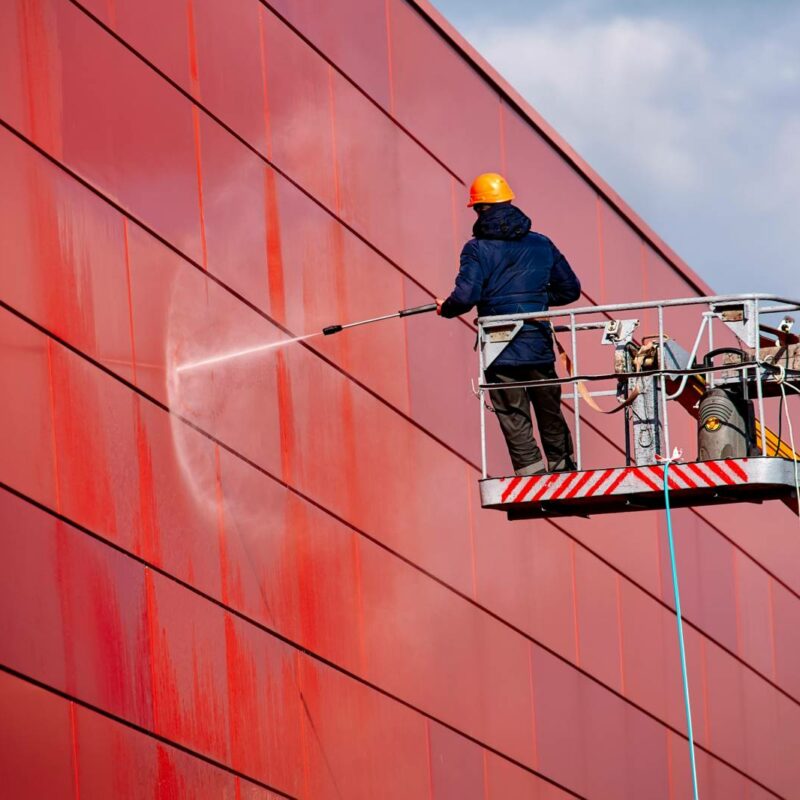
(513, 410)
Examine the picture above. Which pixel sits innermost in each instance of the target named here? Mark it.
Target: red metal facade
(273, 577)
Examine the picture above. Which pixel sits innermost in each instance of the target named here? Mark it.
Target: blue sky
(690, 110)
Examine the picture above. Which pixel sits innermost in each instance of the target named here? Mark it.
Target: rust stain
(73, 732)
(199, 164)
(264, 79)
(275, 282)
(148, 543)
(286, 417)
(247, 750)
(39, 47)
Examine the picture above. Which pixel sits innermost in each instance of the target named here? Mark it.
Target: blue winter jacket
(506, 269)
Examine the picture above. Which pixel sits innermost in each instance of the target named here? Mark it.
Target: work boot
(537, 468)
(566, 464)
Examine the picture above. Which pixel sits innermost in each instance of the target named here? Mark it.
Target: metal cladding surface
(271, 576)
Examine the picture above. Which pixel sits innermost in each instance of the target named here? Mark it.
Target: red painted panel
(36, 749)
(450, 658)
(755, 632)
(598, 599)
(329, 275)
(289, 564)
(188, 668)
(343, 467)
(177, 478)
(456, 766)
(69, 255)
(651, 664)
(359, 744)
(392, 191)
(12, 70)
(32, 640)
(504, 780)
(705, 573)
(776, 546)
(181, 318)
(265, 705)
(300, 110)
(590, 742)
(725, 708)
(351, 33)
(452, 413)
(234, 209)
(524, 573)
(137, 145)
(786, 642)
(102, 602)
(442, 99)
(119, 762)
(158, 30)
(622, 259)
(96, 449)
(27, 457)
(562, 204)
(230, 65)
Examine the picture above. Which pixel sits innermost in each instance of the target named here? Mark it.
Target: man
(507, 269)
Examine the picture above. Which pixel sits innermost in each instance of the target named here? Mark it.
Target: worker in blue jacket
(506, 269)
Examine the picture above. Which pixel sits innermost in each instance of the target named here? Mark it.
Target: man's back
(508, 269)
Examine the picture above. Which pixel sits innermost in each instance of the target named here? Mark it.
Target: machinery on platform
(737, 459)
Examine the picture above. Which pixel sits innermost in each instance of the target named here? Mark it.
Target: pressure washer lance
(406, 312)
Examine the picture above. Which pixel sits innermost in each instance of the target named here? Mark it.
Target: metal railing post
(482, 380)
(759, 373)
(663, 381)
(576, 403)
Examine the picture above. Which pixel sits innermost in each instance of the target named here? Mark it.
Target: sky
(690, 110)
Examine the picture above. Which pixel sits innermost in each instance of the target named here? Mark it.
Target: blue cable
(679, 618)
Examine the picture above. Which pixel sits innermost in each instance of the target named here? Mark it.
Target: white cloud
(700, 133)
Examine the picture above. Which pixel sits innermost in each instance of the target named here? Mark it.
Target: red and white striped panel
(625, 480)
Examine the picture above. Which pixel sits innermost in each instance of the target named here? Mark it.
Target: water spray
(331, 329)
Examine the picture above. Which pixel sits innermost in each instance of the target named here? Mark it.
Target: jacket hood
(501, 222)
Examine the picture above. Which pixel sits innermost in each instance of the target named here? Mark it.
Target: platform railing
(759, 304)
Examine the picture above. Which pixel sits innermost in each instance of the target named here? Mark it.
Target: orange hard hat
(489, 188)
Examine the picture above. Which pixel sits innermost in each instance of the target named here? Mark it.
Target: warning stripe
(569, 485)
(697, 471)
(547, 484)
(645, 480)
(737, 470)
(587, 476)
(717, 470)
(510, 488)
(596, 486)
(616, 482)
(563, 485)
(680, 472)
(659, 473)
(529, 484)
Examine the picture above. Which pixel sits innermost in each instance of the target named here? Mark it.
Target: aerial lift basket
(735, 457)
